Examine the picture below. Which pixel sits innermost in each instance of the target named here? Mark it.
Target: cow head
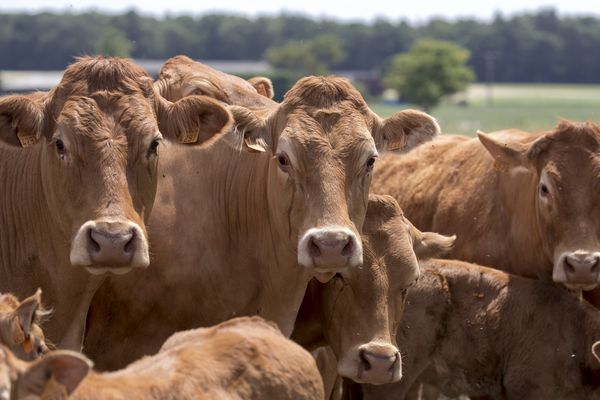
(181, 76)
(96, 138)
(362, 307)
(566, 166)
(54, 376)
(323, 141)
(19, 325)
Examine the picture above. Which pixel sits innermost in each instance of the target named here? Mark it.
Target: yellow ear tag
(189, 137)
(27, 345)
(26, 140)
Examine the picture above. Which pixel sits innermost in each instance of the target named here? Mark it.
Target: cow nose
(579, 268)
(111, 247)
(380, 363)
(101, 245)
(330, 250)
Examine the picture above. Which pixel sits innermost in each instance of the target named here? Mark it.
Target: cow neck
(520, 209)
(251, 225)
(30, 243)
(25, 230)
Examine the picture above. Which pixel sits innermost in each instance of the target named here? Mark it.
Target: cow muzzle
(373, 363)
(109, 246)
(578, 270)
(329, 250)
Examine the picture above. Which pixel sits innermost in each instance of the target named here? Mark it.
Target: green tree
(431, 70)
(114, 42)
(315, 56)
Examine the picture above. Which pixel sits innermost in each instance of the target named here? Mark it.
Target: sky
(415, 11)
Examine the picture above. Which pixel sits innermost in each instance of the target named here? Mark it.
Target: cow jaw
(109, 246)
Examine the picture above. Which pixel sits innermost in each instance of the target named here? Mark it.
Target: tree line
(531, 47)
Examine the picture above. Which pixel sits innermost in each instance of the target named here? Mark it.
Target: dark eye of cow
(60, 147)
(544, 190)
(370, 163)
(152, 150)
(283, 161)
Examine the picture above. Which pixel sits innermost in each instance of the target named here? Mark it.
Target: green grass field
(528, 106)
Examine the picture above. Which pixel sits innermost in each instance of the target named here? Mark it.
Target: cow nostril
(348, 248)
(366, 365)
(313, 248)
(596, 266)
(570, 268)
(130, 245)
(94, 245)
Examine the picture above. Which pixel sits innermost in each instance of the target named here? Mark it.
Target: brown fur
(245, 358)
(106, 113)
(236, 244)
(453, 185)
(481, 332)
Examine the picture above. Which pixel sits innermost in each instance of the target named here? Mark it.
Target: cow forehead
(339, 132)
(107, 115)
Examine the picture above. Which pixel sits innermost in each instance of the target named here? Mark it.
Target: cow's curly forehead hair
(91, 74)
(324, 92)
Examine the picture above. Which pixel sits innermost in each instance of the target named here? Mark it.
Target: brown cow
(481, 332)
(182, 76)
(524, 203)
(287, 209)
(357, 312)
(78, 178)
(245, 358)
(20, 327)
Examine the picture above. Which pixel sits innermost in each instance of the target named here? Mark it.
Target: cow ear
(21, 121)
(57, 372)
(195, 120)
(596, 350)
(404, 130)
(249, 131)
(26, 312)
(263, 86)
(429, 244)
(507, 154)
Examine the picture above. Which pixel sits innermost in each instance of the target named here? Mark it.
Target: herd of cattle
(182, 230)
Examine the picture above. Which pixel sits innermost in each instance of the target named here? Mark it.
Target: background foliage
(533, 47)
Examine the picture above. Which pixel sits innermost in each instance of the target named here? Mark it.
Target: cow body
(78, 178)
(288, 208)
(481, 332)
(245, 358)
(518, 201)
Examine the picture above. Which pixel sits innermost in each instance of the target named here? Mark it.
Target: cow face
(181, 76)
(323, 141)
(19, 325)
(363, 306)
(95, 139)
(566, 166)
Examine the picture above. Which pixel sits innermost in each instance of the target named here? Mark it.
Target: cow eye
(152, 150)
(544, 192)
(370, 163)
(197, 92)
(283, 161)
(60, 146)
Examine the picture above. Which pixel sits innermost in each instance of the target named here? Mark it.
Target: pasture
(531, 107)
